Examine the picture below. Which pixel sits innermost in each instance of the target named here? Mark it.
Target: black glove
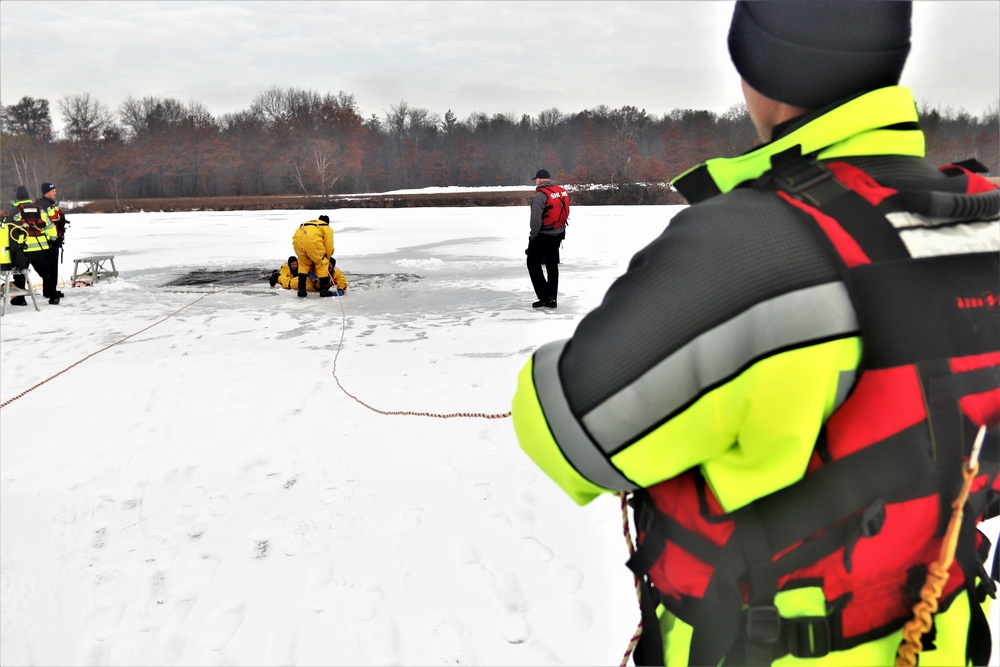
(273, 279)
(55, 243)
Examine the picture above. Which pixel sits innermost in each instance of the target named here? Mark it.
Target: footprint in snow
(179, 603)
(108, 605)
(204, 566)
(450, 642)
(408, 519)
(505, 587)
(320, 587)
(218, 504)
(222, 624)
(282, 647)
(530, 546)
(515, 629)
(262, 539)
(301, 536)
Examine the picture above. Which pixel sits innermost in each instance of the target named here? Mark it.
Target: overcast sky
(491, 57)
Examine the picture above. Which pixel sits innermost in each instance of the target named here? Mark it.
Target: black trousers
(544, 250)
(46, 265)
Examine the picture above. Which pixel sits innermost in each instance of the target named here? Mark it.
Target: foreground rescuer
(790, 379)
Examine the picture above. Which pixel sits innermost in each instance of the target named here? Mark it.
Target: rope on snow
(407, 413)
(340, 345)
(108, 347)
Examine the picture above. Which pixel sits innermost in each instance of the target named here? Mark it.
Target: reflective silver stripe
(844, 385)
(810, 314)
(576, 446)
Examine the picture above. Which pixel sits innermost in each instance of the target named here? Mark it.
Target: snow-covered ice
(184, 482)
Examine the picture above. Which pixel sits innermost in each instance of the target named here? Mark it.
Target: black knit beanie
(810, 53)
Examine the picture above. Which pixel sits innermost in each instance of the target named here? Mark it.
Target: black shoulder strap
(814, 184)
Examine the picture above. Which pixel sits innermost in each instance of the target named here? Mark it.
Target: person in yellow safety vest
(288, 277)
(39, 232)
(788, 383)
(53, 214)
(11, 244)
(313, 245)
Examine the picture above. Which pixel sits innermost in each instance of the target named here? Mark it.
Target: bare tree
(140, 117)
(85, 118)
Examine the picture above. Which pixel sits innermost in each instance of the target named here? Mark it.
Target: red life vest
(30, 218)
(868, 517)
(555, 213)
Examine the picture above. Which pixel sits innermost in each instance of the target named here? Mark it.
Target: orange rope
(407, 413)
(108, 347)
(937, 573)
(638, 590)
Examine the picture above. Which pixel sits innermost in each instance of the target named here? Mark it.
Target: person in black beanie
(791, 380)
(56, 224)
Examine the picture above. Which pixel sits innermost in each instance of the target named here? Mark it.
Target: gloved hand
(273, 280)
(55, 243)
(340, 292)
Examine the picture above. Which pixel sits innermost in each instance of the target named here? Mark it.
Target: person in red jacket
(549, 216)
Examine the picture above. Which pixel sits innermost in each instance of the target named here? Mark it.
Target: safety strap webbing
(880, 243)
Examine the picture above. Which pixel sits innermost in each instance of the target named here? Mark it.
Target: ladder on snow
(11, 290)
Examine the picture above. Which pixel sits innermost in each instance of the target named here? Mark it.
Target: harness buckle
(762, 625)
(793, 173)
(809, 637)
(873, 518)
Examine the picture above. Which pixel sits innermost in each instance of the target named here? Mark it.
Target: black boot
(545, 303)
(18, 301)
(302, 284)
(324, 286)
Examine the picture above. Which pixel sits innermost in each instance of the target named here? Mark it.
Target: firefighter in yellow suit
(288, 277)
(313, 245)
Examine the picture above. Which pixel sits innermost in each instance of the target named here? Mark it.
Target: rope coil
(937, 572)
(626, 529)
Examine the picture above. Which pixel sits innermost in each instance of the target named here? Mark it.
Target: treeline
(293, 141)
